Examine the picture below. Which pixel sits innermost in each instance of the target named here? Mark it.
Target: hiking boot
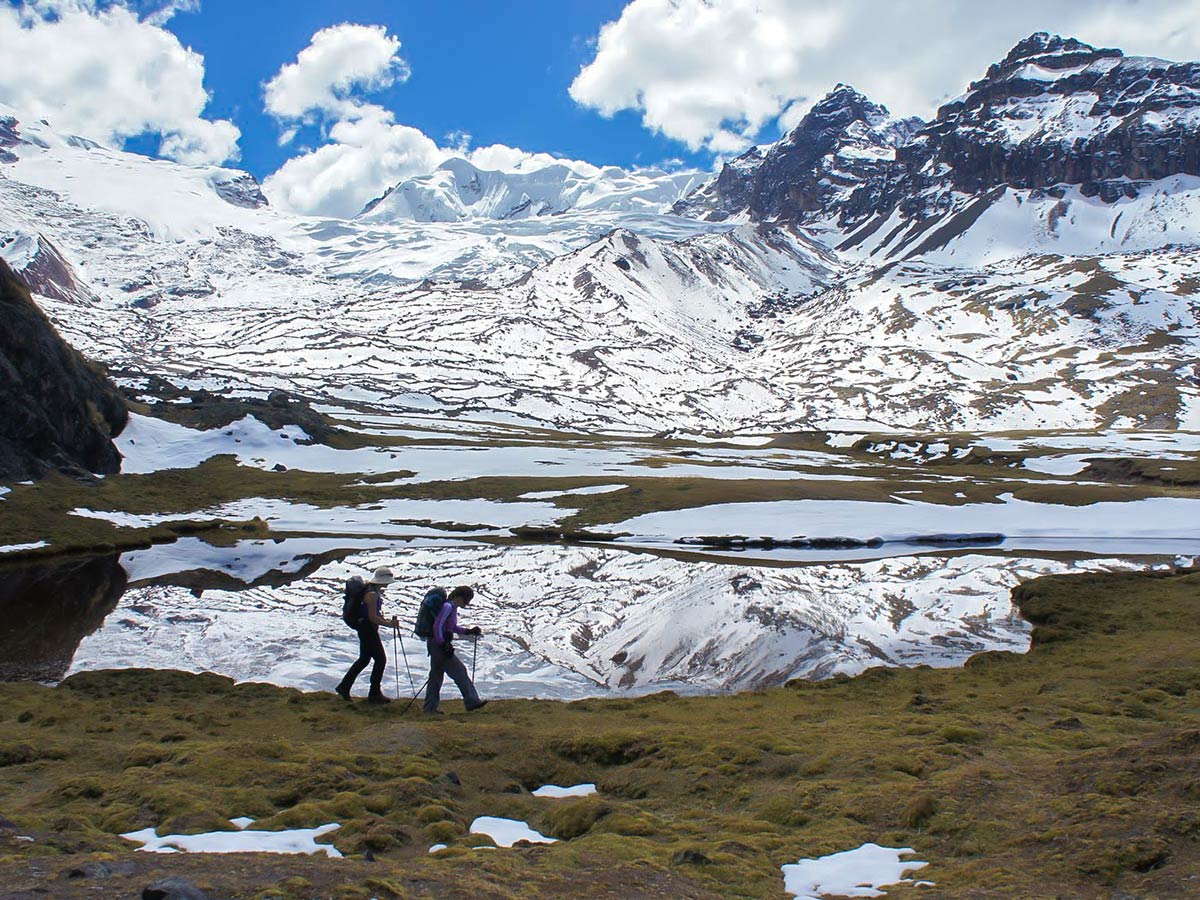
(433, 712)
(480, 705)
(342, 691)
(378, 697)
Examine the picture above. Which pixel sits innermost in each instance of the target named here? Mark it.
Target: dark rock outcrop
(57, 409)
(10, 136)
(46, 609)
(46, 271)
(173, 889)
(844, 142)
(241, 190)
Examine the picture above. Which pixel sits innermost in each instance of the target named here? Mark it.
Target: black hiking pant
(370, 648)
(442, 662)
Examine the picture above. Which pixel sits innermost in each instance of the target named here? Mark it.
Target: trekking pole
(406, 668)
(474, 654)
(415, 695)
(396, 668)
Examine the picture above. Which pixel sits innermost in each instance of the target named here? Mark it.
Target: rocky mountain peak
(1042, 59)
(839, 109)
(1051, 51)
(240, 189)
(1057, 111)
(841, 143)
(1054, 114)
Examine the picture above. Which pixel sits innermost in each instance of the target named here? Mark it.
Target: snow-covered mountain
(1027, 260)
(141, 228)
(459, 190)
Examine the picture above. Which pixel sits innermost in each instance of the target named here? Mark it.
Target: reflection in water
(47, 608)
(560, 621)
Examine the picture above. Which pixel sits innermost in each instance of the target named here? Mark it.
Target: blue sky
(499, 71)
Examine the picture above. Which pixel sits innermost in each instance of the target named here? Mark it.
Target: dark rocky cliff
(844, 142)
(57, 409)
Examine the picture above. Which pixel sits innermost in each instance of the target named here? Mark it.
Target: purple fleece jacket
(446, 623)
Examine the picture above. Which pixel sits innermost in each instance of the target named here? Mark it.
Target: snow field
(557, 793)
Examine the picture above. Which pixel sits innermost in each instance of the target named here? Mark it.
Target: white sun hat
(382, 576)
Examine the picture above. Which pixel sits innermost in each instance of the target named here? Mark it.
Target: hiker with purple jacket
(440, 645)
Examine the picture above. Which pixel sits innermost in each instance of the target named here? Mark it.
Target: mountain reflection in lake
(559, 621)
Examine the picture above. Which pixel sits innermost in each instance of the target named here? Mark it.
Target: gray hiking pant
(441, 663)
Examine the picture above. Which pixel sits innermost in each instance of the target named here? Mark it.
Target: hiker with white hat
(370, 647)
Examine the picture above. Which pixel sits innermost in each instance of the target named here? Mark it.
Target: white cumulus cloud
(109, 75)
(340, 59)
(365, 156)
(503, 158)
(714, 73)
(365, 150)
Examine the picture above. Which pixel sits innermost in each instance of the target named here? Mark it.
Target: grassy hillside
(1073, 771)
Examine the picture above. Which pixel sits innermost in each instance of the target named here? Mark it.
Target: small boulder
(173, 889)
(91, 870)
(1069, 724)
(97, 869)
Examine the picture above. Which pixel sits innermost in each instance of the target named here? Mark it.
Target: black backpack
(352, 602)
(434, 600)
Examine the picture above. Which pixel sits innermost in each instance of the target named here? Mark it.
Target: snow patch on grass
(387, 517)
(1057, 465)
(296, 840)
(844, 439)
(506, 832)
(555, 792)
(17, 548)
(594, 489)
(851, 873)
